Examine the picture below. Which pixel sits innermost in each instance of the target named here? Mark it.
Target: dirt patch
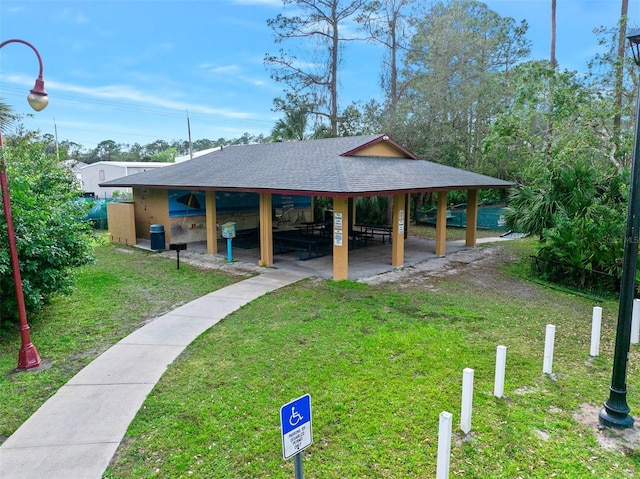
(478, 265)
(210, 261)
(452, 264)
(621, 440)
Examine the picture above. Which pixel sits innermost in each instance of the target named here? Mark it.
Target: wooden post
(399, 224)
(467, 400)
(549, 339)
(472, 217)
(501, 363)
(340, 239)
(596, 322)
(266, 230)
(635, 322)
(441, 224)
(212, 220)
(444, 445)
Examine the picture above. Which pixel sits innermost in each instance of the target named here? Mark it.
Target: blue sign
(295, 420)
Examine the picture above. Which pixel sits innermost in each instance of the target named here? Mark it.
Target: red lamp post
(28, 356)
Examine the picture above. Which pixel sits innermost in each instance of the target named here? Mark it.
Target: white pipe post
(635, 322)
(501, 364)
(549, 339)
(467, 400)
(444, 445)
(596, 323)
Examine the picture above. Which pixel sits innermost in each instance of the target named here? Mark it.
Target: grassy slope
(381, 363)
(113, 297)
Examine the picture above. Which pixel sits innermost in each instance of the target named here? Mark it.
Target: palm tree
(7, 117)
(292, 127)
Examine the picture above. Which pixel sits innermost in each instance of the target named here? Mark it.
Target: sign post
(295, 421)
(229, 232)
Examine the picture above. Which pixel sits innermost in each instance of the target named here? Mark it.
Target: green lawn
(114, 296)
(380, 364)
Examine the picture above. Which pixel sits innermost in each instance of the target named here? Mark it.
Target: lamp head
(634, 43)
(38, 98)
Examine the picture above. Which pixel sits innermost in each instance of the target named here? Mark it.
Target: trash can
(157, 238)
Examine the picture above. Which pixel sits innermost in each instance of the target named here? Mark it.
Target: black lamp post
(616, 411)
(28, 355)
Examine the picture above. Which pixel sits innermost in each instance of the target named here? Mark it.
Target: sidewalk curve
(76, 432)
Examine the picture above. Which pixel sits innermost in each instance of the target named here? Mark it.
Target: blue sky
(129, 70)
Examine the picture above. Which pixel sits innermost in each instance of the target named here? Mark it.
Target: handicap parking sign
(295, 421)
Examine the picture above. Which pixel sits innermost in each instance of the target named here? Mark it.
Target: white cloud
(72, 16)
(126, 93)
(221, 69)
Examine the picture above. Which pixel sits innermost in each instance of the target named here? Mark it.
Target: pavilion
(339, 168)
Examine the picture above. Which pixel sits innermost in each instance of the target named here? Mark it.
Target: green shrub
(51, 238)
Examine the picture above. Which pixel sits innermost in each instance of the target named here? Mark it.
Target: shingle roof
(309, 167)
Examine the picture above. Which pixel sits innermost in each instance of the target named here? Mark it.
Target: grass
(114, 296)
(380, 364)
(453, 234)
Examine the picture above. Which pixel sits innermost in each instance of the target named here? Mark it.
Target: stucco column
(407, 214)
(266, 230)
(472, 217)
(352, 214)
(441, 224)
(340, 239)
(399, 225)
(212, 220)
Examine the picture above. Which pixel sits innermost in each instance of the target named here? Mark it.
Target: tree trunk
(619, 73)
(553, 34)
(333, 108)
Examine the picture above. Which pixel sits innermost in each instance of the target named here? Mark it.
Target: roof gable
(382, 145)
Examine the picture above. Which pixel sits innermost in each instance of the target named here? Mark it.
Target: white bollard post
(444, 445)
(596, 323)
(635, 322)
(467, 400)
(501, 363)
(548, 348)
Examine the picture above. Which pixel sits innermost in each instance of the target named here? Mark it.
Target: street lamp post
(616, 411)
(28, 355)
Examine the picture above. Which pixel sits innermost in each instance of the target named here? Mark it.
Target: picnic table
(315, 227)
(383, 231)
(307, 246)
(247, 238)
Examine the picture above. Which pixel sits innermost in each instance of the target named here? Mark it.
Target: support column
(407, 214)
(212, 220)
(472, 217)
(399, 225)
(352, 214)
(266, 230)
(340, 239)
(441, 224)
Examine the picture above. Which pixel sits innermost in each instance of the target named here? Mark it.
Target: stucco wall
(122, 228)
(151, 208)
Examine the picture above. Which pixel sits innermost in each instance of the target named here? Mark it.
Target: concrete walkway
(76, 432)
